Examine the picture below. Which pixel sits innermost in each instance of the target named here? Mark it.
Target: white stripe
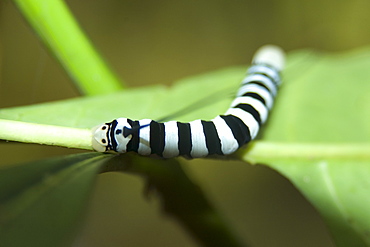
(199, 148)
(256, 104)
(261, 91)
(262, 79)
(247, 118)
(228, 143)
(171, 140)
(144, 144)
(265, 70)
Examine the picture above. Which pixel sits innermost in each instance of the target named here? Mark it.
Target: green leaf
(339, 190)
(41, 203)
(320, 127)
(324, 99)
(334, 178)
(59, 31)
(146, 102)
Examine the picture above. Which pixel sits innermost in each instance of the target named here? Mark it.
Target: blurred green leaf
(180, 197)
(42, 203)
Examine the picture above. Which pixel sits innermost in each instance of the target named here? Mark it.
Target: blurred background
(151, 42)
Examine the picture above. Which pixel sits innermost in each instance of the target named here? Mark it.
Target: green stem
(59, 31)
(45, 134)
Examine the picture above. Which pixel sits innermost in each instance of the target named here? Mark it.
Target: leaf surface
(41, 203)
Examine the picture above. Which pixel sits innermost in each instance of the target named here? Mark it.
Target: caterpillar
(222, 135)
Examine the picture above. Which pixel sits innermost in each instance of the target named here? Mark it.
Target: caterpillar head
(100, 140)
(113, 136)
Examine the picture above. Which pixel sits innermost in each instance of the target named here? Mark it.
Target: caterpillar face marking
(222, 135)
(100, 139)
(113, 136)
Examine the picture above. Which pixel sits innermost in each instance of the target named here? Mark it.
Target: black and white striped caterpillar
(222, 135)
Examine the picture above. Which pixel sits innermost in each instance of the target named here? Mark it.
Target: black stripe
(266, 75)
(157, 137)
(240, 130)
(185, 144)
(255, 96)
(250, 109)
(213, 142)
(133, 144)
(259, 83)
(260, 72)
(112, 129)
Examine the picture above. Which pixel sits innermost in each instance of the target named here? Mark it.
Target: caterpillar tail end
(270, 55)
